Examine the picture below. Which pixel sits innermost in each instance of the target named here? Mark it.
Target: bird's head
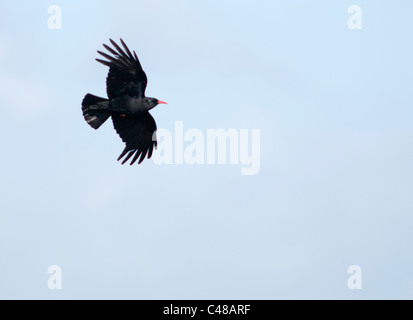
(153, 102)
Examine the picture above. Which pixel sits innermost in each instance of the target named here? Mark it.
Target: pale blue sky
(334, 107)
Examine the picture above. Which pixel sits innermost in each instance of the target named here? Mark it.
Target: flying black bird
(127, 104)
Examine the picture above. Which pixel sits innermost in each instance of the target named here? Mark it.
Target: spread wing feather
(139, 134)
(126, 76)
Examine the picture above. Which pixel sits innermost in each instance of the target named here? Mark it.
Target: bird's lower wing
(139, 134)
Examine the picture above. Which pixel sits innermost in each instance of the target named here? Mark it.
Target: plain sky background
(334, 107)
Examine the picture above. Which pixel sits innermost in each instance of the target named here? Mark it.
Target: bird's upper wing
(137, 132)
(126, 76)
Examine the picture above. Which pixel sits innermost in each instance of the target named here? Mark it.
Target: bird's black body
(126, 103)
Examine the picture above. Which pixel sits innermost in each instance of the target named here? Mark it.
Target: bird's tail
(95, 110)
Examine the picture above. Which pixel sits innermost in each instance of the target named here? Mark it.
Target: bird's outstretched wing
(126, 76)
(137, 132)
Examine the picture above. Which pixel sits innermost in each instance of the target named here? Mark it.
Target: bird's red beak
(162, 102)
